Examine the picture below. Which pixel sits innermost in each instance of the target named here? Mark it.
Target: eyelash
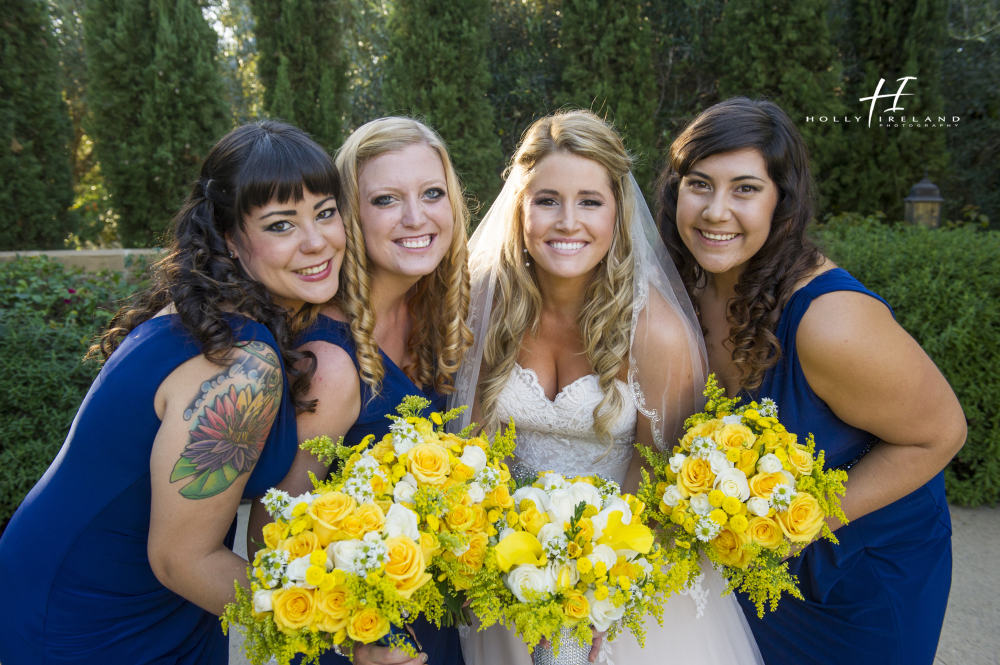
(587, 202)
(698, 184)
(434, 194)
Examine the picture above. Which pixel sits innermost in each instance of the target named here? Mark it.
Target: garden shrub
(944, 285)
(48, 317)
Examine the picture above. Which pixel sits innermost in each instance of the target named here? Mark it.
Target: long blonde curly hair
(605, 322)
(439, 302)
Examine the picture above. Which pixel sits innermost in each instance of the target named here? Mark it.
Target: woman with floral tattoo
(121, 552)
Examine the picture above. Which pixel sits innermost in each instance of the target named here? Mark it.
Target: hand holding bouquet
(741, 488)
(397, 527)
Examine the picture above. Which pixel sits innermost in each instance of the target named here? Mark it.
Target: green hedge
(48, 316)
(944, 285)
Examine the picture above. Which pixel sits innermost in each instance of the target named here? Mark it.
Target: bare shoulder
(840, 321)
(336, 387)
(661, 326)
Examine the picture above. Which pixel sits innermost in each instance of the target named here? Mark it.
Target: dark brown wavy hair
(248, 168)
(787, 255)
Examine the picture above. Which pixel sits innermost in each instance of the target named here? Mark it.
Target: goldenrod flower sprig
(740, 488)
(398, 526)
(573, 553)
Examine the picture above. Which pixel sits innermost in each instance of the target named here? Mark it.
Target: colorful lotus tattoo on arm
(230, 427)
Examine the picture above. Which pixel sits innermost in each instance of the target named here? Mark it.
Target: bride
(586, 338)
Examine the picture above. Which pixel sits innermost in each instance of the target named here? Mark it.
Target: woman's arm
(337, 388)
(203, 454)
(874, 376)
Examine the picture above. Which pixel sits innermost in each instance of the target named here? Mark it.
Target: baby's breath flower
(768, 408)
(702, 446)
(556, 548)
(488, 479)
(707, 529)
(781, 496)
(404, 436)
(275, 501)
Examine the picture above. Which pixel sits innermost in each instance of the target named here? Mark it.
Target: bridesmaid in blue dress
(397, 326)
(783, 322)
(121, 552)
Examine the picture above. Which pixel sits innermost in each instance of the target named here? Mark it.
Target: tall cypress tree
(608, 67)
(782, 50)
(35, 132)
(891, 39)
(437, 69)
(158, 105)
(302, 64)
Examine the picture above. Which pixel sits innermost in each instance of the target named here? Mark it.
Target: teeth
(415, 243)
(313, 271)
(718, 236)
(567, 245)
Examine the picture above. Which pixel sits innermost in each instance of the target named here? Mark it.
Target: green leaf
(184, 468)
(211, 483)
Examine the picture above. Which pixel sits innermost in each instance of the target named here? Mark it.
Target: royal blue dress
(77, 585)
(879, 596)
(441, 645)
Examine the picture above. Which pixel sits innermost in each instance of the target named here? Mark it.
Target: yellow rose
(293, 608)
(328, 511)
(476, 554)
(331, 609)
(428, 462)
(729, 545)
(803, 519)
(274, 534)
(481, 520)
(303, 544)
(586, 531)
(800, 460)
(763, 483)
(405, 565)
(576, 607)
(384, 504)
(747, 462)
(735, 436)
(378, 484)
(381, 449)
(429, 545)
(460, 518)
(462, 472)
(765, 532)
(424, 427)
(367, 626)
(499, 498)
(371, 516)
(696, 477)
(353, 528)
(707, 428)
(532, 520)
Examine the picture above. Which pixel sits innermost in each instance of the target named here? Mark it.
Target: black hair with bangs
(248, 168)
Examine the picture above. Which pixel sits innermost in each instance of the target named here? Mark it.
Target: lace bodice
(558, 435)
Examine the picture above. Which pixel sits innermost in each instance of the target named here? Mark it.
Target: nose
(567, 220)
(412, 213)
(313, 241)
(717, 211)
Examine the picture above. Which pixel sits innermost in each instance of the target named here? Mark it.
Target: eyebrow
(289, 213)
(316, 207)
(699, 174)
(584, 192)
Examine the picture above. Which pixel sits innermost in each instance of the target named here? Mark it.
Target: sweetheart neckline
(566, 390)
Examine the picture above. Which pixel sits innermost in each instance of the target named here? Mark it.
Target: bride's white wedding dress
(699, 628)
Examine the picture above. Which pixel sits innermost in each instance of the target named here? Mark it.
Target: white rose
(475, 457)
(262, 601)
(769, 463)
(306, 498)
(603, 553)
(562, 504)
(401, 521)
(296, 570)
(700, 504)
(733, 482)
(791, 478)
(672, 496)
(476, 492)
(460, 550)
(600, 520)
(540, 498)
(552, 481)
(343, 553)
(525, 577)
(506, 531)
(733, 420)
(586, 493)
(676, 462)
(603, 613)
(549, 531)
(401, 445)
(758, 506)
(563, 575)
(403, 492)
(367, 462)
(719, 462)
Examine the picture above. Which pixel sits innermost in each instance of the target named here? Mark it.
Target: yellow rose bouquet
(397, 531)
(741, 489)
(573, 553)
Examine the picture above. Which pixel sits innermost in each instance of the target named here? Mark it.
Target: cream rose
(343, 553)
(719, 462)
(262, 601)
(401, 521)
(733, 482)
(676, 462)
(525, 577)
(605, 554)
(476, 493)
(475, 457)
(296, 570)
(758, 506)
(403, 492)
(672, 496)
(603, 613)
(700, 504)
(769, 463)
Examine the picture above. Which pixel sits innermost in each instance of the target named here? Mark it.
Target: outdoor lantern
(923, 205)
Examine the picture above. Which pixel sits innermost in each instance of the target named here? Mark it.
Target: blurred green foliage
(944, 285)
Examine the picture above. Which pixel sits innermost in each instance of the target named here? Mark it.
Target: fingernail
(423, 658)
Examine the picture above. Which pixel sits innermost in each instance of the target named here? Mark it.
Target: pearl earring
(526, 261)
(232, 254)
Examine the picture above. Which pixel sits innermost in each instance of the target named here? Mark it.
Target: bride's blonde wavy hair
(605, 322)
(439, 302)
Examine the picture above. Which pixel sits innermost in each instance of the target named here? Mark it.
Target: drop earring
(526, 261)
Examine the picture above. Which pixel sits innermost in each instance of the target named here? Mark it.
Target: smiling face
(405, 212)
(724, 210)
(569, 216)
(294, 249)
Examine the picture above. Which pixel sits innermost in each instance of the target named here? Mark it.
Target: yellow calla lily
(620, 536)
(520, 547)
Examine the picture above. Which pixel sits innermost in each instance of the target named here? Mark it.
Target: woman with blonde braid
(585, 336)
(397, 327)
